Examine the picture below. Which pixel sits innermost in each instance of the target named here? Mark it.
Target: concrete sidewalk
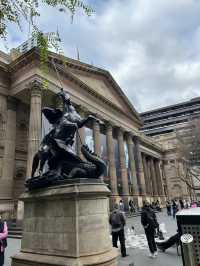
(138, 251)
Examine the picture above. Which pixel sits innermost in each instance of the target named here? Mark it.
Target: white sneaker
(155, 254)
(151, 255)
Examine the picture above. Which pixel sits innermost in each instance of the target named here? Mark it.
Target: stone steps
(14, 231)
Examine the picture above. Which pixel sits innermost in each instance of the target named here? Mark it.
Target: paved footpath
(137, 246)
(138, 250)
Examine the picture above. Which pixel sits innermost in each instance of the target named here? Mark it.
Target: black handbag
(4, 242)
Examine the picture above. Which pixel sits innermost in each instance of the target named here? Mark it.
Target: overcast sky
(151, 47)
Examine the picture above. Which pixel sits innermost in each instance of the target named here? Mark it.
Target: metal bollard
(187, 247)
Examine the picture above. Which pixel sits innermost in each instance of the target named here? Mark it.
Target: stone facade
(164, 124)
(135, 162)
(173, 167)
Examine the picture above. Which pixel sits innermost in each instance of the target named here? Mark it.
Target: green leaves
(15, 11)
(18, 11)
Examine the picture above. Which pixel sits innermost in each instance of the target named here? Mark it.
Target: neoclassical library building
(135, 163)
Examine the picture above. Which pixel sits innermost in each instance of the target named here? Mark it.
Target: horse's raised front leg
(35, 164)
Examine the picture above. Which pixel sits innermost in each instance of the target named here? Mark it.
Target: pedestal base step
(27, 259)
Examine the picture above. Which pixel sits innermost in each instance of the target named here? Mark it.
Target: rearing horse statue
(56, 146)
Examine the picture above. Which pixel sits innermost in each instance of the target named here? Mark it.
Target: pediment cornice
(64, 64)
(80, 83)
(75, 64)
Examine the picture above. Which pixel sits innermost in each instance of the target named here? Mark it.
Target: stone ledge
(68, 190)
(104, 259)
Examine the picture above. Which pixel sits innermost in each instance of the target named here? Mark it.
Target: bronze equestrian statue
(56, 149)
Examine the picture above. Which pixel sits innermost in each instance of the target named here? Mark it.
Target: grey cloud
(151, 47)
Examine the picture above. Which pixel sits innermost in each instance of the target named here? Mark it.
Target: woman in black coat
(149, 222)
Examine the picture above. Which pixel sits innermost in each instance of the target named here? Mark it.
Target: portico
(133, 160)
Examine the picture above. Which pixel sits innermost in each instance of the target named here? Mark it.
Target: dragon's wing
(51, 114)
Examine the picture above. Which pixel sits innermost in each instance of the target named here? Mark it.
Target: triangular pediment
(97, 81)
(102, 87)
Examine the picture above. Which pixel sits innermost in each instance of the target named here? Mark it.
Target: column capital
(152, 159)
(130, 136)
(96, 124)
(136, 139)
(120, 131)
(108, 124)
(35, 88)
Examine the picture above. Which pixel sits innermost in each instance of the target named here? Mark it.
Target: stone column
(9, 150)
(96, 137)
(3, 116)
(34, 135)
(153, 178)
(111, 161)
(146, 174)
(139, 168)
(123, 170)
(132, 164)
(148, 162)
(80, 137)
(159, 178)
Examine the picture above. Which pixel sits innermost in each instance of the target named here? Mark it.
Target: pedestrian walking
(194, 204)
(3, 239)
(121, 205)
(181, 203)
(117, 221)
(150, 224)
(187, 204)
(131, 206)
(168, 206)
(157, 205)
(174, 208)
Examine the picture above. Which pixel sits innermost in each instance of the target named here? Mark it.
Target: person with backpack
(3, 239)
(117, 222)
(150, 224)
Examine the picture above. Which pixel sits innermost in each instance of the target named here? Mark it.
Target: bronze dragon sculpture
(56, 149)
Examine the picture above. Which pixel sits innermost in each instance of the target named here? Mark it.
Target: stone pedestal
(66, 225)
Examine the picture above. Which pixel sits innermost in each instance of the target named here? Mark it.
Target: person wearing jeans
(174, 208)
(150, 224)
(117, 222)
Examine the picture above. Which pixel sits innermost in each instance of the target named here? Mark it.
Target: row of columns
(145, 171)
(153, 176)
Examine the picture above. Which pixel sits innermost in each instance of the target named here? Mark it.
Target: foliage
(18, 11)
(188, 152)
